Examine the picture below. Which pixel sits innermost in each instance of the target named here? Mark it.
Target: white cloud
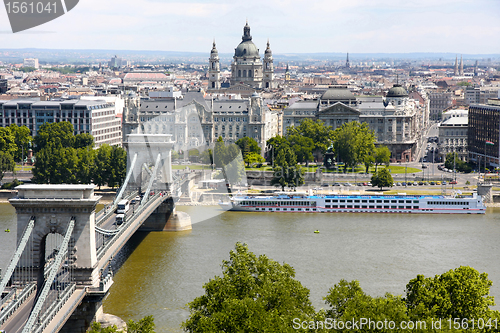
(293, 26)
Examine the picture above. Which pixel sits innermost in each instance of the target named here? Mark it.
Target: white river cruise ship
(295, 202)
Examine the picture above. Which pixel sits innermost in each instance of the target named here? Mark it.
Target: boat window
(401, 207)
(408, 207)
(372, 206)
(386, 207)
(386, 201)
(356, 206)
(394, 201)
(379, 201)
(364, 201)
(327, 206)
(408, 201)
(372, 201)
(327, 200)
(379, 207)
(394, 207)
(401, 201)
(415, 201)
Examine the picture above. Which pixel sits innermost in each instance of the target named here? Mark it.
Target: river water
(161, 272)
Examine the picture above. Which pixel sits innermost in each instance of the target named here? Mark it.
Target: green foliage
(193, 152)
(97, 328)
(452, 159)
(145, 325)
(382, 155)
(459, 293)
(348, 302)
(248, 145)
(7, 163)
(382, 178)
(174, 155)
(117, 166)
(229, 159)
(253, 158)
(368, 162)
(27, 69)
(274, 145)
(8, 141)
(207, 157)
(302, 147)
(60, 134)
(12, 184)
(352, 142)
(83, 140)
(254, 294)
(22, 139)
(286, 171)
(464, 84)
(320, 134)
(101, 165)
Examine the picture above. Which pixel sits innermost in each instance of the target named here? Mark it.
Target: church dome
(246, 48)
(397, 91)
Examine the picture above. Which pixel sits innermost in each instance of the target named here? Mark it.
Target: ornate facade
(247, 68)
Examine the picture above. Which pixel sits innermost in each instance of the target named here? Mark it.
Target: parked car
(424, 166)
(453, 182)
(398, 184)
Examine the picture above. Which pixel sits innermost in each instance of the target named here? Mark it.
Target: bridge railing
(54, 308)
(14, 305)
(109, 210)
(101, 251)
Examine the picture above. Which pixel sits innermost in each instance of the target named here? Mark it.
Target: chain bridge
(60, 271)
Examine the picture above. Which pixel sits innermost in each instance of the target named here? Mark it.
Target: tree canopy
(286, 171)
(254, 294)
(248, 145)
(144, 325)
(352, 142)
(317, 131)
(7, 163)
(453, 161)
(382, 178)
(230, 160)
(382, 155)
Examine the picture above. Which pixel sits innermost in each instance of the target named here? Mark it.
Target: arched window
(239, 72)
(213, 65)
(213, 84)
(244, 73)
(249, 73)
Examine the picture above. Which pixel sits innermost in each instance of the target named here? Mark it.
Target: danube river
(164, 271)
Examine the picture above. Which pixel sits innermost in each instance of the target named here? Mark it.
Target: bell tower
(268, 70)
(214, 70)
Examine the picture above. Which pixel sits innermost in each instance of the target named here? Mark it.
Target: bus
(123, 206)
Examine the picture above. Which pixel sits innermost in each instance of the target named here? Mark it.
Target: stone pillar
(484, 190)
(53, 206)
(166, 218)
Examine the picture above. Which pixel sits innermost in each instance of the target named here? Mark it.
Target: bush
(11, 185)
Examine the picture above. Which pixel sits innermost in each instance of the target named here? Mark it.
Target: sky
(292, 26)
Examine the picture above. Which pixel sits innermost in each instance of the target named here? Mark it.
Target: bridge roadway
(16, 322)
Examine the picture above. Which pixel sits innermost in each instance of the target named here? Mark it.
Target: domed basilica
(247, 68)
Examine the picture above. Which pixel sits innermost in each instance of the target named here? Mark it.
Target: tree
(253, 158)
(274, 145)
(207, 157)
(286, 171)
(302, 147)
(145, 325)
(55, 164)
(83, 140)
(7, 163)
(7, 141)
(382, 156)
(368, 162)
(101, 170)
(459, 293)
(22, 139)
(85, 165)
(254, 294)
(117, 166)
(229, 159)
(61, 134)
(452, 162)
(382, 178)
(352, 142)
(348, 302)
(248, 146)
(316, 131)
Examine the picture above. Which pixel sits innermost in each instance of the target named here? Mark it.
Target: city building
(248, 70)
(197, 122)
(453, 134)
(395, 119)
(438, 102)
(484, 125)
(97, 118)
(31, 62)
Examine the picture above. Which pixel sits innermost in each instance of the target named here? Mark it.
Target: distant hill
(55, 56)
